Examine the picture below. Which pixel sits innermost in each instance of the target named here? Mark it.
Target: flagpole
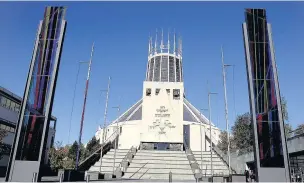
(83, 108)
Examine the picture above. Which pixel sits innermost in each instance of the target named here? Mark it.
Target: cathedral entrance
(186, 135)
(161, 146)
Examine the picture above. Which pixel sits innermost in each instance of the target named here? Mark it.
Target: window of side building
(9, 104)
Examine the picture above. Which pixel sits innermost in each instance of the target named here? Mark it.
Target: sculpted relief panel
(162, 122)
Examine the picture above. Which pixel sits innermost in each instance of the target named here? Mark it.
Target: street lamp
(226, 106)
(104, 136)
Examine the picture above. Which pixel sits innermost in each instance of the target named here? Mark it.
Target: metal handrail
(126, 156)
(220, 153)
(101, 147)
(189, 151)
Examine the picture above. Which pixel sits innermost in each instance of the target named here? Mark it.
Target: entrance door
(162, 146)
(186, 135)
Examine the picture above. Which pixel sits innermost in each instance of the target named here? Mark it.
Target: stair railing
(97, 152)
(112, 137)
(221, 154)
(125, 159)
(190, 153)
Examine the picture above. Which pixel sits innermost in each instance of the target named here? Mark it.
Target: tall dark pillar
(271, 157)
(34, 118)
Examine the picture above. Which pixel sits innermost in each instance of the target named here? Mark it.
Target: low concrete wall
(238, 162)
(295, 144)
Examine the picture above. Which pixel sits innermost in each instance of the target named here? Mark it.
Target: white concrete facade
(162, 113)
(162, 120)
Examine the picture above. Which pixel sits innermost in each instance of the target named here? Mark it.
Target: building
(163, 125)
(9, 113)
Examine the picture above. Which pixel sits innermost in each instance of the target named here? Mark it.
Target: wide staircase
(156, 165)
(219, 166)
(107, 161)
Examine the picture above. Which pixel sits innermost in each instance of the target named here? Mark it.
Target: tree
(73, 151)
(299, 130)
(284, 109)
(288, 130)
(223, 142)
(56, 158)
(92, 145)
(59, 156)
(243, 133)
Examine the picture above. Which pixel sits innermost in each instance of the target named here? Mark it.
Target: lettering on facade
(161, 120)
(162, 112)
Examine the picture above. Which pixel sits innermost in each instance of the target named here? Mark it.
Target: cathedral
(163, 119)
(162, 133)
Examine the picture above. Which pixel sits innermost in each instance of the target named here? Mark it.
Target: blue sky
(120, 31)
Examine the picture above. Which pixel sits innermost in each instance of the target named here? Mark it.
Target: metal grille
(151, 65)
(171, 70)
(178, 79)
(164, 69)
(157, 69)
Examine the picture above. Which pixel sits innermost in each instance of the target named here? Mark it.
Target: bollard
(61, 178)
(170, 176)
(34, 179)
(88, 178)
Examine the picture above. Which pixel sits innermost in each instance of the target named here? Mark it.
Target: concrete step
(158, 165)
(209, 162)
(204, 152)
(158, 176)
(120, 150)
(159, 161)
(207, 155)
(160, 170)
(175, 177)
(97, 164)
(112, 156)
(161, 155)
(117, 152)
(218, 172)
(214, 158)
(103, 168)
(160, 152)
(160, 158)
(215, 163)
(110, 160)
(208, 166)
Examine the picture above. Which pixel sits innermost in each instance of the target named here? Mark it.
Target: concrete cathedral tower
(163, 119)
